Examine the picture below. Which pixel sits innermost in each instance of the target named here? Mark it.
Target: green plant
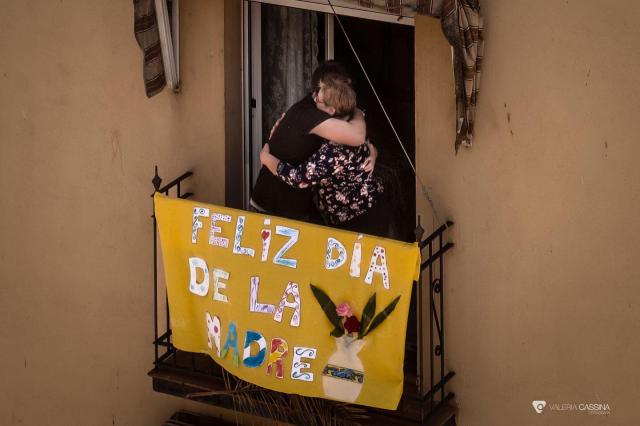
(342, 319)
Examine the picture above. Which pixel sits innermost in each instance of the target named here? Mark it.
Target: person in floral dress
(348, 193)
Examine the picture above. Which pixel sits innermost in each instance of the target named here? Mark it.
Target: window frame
(251, 66)
(169, 33)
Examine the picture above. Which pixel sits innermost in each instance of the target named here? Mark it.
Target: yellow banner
(286, 305)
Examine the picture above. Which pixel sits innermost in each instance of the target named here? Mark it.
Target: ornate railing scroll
(432, 274)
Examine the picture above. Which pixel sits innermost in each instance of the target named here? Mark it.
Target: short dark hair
(325, 69)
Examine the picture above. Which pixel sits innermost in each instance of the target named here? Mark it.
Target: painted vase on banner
(343, 376)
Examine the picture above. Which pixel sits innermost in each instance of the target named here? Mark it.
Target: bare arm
(351, 132)
(270, 161)
(275, 126)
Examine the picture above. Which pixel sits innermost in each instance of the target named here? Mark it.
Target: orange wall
(78, 142)
(542, 286)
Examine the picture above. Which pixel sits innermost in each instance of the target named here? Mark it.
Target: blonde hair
(338, 94)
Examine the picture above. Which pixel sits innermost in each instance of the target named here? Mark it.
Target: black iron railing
(163, 340)
(197, 376)
(432, 270)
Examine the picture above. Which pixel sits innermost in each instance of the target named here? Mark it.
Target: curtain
(462, 25)
(289, 56)
(145, 28)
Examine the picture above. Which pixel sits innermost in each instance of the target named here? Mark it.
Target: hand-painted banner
(286, 305)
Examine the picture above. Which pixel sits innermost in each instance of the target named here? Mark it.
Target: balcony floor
(198, 377)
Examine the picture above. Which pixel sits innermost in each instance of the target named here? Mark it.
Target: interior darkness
(386, 51)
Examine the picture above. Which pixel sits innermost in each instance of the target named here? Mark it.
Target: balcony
(425, 400)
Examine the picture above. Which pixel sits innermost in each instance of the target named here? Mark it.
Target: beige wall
(78, 142)
(541, 293)
(542, 286)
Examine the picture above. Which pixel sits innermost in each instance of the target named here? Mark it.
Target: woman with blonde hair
(348, 194)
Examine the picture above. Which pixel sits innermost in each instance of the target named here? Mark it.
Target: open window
(282, 46)
(167, 13)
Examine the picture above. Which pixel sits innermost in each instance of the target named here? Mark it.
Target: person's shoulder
(304, 112)
(306, 115)
(304, 103)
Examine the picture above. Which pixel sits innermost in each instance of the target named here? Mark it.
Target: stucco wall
(78, 142)
(542, 286)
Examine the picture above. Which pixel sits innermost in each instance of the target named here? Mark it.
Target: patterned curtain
(462, 25)
(145, 28)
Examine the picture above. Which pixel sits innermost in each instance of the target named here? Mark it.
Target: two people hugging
(318, 165)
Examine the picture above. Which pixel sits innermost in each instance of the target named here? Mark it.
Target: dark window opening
(387, 53)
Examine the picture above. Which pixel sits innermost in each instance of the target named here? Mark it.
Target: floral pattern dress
(344, 189)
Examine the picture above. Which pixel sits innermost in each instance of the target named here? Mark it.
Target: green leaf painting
(369, 322)
(367, 315)
(329, 309)
(382, 316)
